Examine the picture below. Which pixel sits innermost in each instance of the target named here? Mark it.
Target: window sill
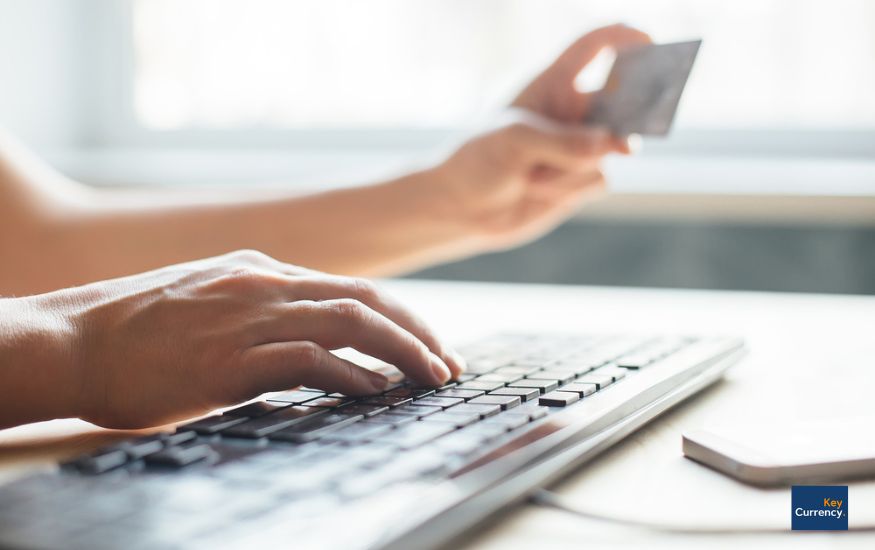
(650, 186)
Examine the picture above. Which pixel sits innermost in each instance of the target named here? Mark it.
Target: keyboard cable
(549, 499)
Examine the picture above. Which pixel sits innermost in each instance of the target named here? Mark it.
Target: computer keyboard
(302, 464)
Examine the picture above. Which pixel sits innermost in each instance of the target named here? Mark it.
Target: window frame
(110, 28)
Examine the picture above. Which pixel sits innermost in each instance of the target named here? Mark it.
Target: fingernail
(634, 142)
(440, 370)
(377, 381)
(460, 362)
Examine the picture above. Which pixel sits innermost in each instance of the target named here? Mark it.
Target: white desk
(812, 356)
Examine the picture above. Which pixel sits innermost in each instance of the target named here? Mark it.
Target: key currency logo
(819, 508)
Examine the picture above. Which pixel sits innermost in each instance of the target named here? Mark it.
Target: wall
(41, 70)
(798, 258)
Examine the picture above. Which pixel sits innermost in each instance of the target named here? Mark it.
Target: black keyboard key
(483, 366)
(504, 401)
(535, 413)
(525, 394)
(461, 394)
(543, 385)
(600, 380)
(485, 431)
(478, 385)
(416, 434)
(580, 388)
(364, 409)
(537, 363)
(516, 419)
(416, 410)
(633, 362)
(177, 438)
(253, 410)
(563, 377)
(316, 428)
(213, 424)
(181, 456)
(100, 462)
(508, 421)
(482, 410)
(140, 447)
(411, 392)
(577, 367)
(328, 402)
(503, 377)
(615, 372)
(296, 397)
(392, 419)
(388, 400)
(522, 370)
(460, 443)
(362, 431)
(442, 402)
(558, 399)
(265, 425)
(459, 420)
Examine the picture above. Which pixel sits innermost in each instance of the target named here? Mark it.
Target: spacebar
(264, 425)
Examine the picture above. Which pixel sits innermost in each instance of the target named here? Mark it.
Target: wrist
(413, 221)
(39, 375)
(435, 196)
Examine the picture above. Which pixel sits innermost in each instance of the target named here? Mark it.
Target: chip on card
(643, 90)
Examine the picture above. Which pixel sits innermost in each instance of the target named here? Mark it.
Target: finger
(543, 215)
(364, 291)
(334, 288)
(570, 62)
(553, 92)
(335, 324)
(283, 365)
(570, 147)
(561, 187)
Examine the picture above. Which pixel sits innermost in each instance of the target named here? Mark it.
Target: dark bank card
(644, 88)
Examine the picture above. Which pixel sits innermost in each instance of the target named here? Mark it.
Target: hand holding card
(644, 89)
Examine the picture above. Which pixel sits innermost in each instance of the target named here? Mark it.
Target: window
(323, 91)
(347, 64)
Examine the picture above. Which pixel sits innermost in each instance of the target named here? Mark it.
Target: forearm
(379, 229)
(38, 379)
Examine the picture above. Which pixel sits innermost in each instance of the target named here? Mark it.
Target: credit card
(644, 88)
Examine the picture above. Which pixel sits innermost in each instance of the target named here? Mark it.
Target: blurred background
(766, 183)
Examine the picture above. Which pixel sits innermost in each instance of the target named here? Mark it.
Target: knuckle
(307, 354)
(246, 276)
(249, 255)
(364, 289)
(348, 309)
(241, 279)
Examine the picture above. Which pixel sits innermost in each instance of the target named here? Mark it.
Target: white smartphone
(788, 453)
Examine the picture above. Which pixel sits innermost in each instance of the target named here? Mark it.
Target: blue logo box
(819, 508)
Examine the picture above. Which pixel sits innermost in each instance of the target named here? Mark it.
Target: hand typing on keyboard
(180, 341)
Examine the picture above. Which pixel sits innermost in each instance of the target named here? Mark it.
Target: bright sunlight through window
(438, 63)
